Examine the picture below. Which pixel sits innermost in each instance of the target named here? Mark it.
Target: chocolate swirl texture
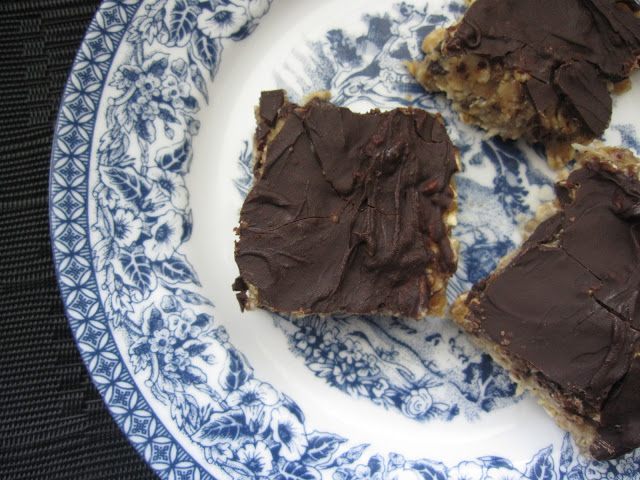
(569, 48)
(346, 211)
(568, 304)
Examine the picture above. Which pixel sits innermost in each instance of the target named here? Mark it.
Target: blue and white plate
(150, 165)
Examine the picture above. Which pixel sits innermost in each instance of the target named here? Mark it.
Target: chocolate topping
(619, 429)
(270, 103)
(569, 47)
(568, 302)
(346, 212)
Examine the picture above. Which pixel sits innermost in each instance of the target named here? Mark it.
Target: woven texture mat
(53, 422)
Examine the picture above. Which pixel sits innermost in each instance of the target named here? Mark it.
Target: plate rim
(186, 462)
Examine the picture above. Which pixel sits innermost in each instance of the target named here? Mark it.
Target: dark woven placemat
(53, 422)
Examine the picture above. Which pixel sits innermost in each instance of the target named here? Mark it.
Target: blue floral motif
(628, 137)
(122, 267)
(399, 364)
(396, 467)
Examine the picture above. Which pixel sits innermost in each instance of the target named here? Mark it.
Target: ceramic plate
(151, 162)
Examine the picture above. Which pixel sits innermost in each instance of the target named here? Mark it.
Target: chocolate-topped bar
(542, 69)
(348, 212)
(562, 314)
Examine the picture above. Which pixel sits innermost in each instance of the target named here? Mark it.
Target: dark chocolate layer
(568, 302)
(569, 47)
(619, 429)
(346, 212)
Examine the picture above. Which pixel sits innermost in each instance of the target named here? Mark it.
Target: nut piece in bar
(562, 314)
(538, 69)
(348, 212)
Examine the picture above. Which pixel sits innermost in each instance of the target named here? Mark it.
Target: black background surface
(53, 422)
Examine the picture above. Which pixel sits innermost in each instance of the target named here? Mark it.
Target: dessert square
(562, 314)
(348, 212)
(542, 70)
